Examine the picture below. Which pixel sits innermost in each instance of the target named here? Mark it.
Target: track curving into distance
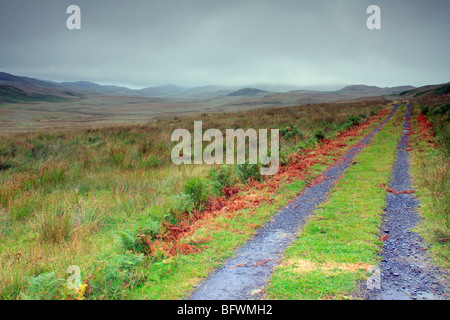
(406, 271)
(258, 257)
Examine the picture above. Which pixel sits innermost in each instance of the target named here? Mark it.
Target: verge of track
(406, 273)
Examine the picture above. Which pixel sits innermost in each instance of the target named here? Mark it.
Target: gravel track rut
(406, 272)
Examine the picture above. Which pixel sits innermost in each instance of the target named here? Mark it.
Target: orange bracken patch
(425, 129)
(241, 197)
(388, 189)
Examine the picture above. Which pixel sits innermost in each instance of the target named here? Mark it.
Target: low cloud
(199, 42)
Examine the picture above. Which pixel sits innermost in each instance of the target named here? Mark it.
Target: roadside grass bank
(83, 197)
(340, 243)
(430, 171)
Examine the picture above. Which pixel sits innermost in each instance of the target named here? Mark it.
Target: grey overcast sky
(307, 43)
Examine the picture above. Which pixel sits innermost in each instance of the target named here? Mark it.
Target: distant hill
(162, 91)
(19, 88)
(32, 84)
(439, 89)
(6, 78)
(363, 90)
(247, 92)
(92, 87)
(12, 94)
(15, 89)
(169, 90)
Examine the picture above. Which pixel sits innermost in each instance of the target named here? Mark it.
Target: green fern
(45, 286)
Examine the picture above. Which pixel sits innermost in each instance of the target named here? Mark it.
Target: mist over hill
(29, 84)
(247, 92)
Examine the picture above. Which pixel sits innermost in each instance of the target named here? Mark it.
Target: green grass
(340, 241)
(431, 175)
(66, 194)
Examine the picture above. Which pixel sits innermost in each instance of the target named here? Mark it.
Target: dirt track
(244, 275)
(406, 271)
